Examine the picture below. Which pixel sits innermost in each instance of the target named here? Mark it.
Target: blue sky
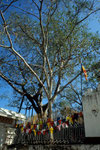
(6, 90)
(94, 23)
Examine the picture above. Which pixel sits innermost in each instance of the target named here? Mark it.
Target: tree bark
(50, 109)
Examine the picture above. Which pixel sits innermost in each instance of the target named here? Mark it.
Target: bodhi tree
(41, 46)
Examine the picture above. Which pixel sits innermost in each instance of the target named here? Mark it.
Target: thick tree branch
(21, 70)
(58, 82)
(44, 44)
(48, 63)
(9, 82)
(17, 54)
(41, 25)
(44, 107)
(30, 98)
(21, 104)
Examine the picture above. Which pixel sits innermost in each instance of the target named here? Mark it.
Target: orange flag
(85, 73)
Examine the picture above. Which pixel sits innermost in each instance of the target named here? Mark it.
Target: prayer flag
(24, 130)
(34, 132)
(85, 73)
(51, 130)
(39, 132)
(59, 127)
(35, 126)
(30, 130)
(32, 126)
(52, 123)
(44, 132)
(59, 121)
(48, 124)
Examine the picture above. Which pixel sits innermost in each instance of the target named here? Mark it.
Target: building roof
(11, 114)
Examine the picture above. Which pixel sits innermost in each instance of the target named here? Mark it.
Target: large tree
(42, 44)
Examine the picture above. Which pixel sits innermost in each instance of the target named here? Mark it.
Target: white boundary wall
(91, 111)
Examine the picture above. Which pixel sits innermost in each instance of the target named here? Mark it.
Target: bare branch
(35, 4)
(25, 11)
(46, 76)
(35, 65)
(21, 71)
(5, 27)
(58, 82)
(4, 46)
(58, 92)
(54, 10)
(68, 83)
(92, 12)
(39, 53)
(10, 5)
(41, 25)
(48, 63)
(20, 84)
(8, 81)
(76, 93)
(32, 38)
(64, 96)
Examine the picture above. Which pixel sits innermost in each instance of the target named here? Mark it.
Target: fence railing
(70, 135)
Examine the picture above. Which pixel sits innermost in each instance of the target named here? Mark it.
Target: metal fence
(70, 135)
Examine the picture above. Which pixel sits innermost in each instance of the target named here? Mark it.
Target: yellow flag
(85, 73)
(51, 130)
(34, 132)
(31, 126)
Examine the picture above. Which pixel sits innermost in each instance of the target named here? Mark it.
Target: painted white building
(91, 111)
(7, 125)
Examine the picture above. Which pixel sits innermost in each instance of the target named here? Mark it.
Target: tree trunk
(50, 110)
(50, 117)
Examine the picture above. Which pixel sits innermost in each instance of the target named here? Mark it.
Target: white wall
(2, 135)
(6, 134)
(91, 111)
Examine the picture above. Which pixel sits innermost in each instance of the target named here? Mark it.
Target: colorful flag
(85, 73)
(51, 130)
(34, 132)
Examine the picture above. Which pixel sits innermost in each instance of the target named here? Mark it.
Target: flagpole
(81, 84)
